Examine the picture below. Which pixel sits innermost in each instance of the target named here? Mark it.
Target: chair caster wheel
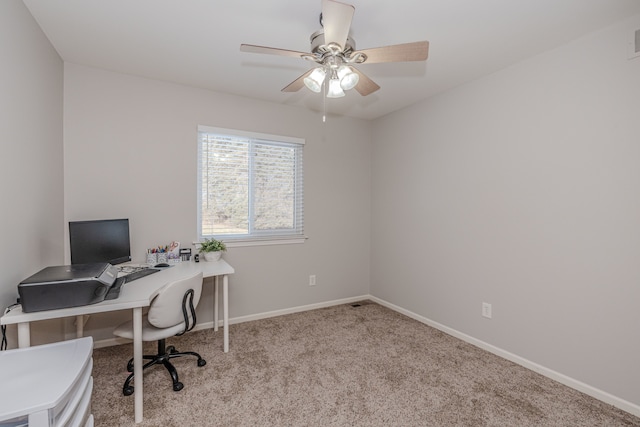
(201, 362)
(130, 367)
(127, 391)
(172, 350)
(178, 386)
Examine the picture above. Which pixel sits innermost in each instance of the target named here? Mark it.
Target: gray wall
(522, 189)
(31, 187)
(130, 151)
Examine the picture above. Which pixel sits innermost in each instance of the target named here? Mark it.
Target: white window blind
(250, 185)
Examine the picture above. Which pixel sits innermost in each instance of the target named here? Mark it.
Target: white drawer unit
(47, 385)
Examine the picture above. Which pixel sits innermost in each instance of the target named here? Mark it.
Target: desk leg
(215, 304)
(225, 311)
(24, 335)
(79, 326)
(137, 362)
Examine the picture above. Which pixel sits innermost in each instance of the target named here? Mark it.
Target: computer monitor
(104, 240)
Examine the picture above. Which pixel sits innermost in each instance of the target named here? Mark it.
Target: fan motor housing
(319, 47)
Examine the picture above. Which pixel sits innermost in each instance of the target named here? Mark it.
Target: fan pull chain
(324, 101)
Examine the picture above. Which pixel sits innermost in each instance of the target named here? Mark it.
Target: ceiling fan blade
(250, 48)
(365, 85)
(416, 51)
(297, 84)
(336, 21)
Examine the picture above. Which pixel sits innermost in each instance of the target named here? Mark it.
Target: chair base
(164, 356)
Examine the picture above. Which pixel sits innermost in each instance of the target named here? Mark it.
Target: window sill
(267, 241)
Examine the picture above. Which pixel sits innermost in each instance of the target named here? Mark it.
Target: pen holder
(162, 257)
(152, 258)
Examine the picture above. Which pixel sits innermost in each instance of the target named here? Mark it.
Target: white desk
(135, 296)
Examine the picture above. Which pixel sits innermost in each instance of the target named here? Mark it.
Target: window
(249, 186)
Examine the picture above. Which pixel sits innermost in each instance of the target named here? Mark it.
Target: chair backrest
(166, 307)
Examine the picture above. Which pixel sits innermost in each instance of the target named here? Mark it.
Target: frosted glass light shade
(348, 79)
(335, 91)
(314, 80)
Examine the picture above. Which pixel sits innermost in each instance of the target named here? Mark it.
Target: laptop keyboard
(138, 273)
(127, 269)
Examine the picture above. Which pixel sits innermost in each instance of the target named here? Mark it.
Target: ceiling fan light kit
(348, 79)
(334, 91)
(315, 80)
(335, 53)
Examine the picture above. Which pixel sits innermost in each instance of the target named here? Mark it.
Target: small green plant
(212, 245)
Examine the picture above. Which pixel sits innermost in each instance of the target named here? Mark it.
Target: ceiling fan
(335, 53)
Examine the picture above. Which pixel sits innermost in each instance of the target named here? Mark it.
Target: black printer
(66, 286)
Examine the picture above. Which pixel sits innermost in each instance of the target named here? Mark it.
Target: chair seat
(149, 332)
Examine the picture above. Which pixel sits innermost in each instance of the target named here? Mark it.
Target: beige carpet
(341, 366)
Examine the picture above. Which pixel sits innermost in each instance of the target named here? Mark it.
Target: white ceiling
(197, 42)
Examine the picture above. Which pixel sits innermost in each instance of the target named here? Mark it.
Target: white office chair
(172, 312)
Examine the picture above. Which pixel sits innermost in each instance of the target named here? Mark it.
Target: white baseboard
(209, 325)
(549, 373)
(292, 310)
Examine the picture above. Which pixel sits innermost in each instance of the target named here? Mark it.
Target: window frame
(268, 238)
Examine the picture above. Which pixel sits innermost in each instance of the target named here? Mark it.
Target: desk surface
(135, 294)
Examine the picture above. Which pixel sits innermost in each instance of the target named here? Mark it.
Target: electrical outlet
(312, 280)
(486, 310)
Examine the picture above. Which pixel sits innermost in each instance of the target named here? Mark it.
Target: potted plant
(212, 249)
